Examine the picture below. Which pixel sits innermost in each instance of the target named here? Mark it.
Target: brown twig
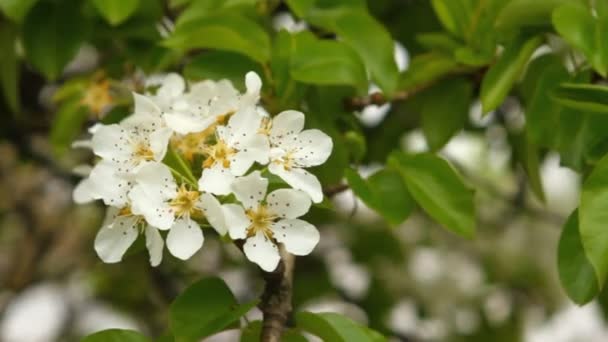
(333, 190)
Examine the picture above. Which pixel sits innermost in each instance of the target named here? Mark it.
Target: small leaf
(252, 332)
(203, 309)
(217, 65)
(500, 78)
(116, 335)
(584, 97)
(445, 110)
(593, 215)
(575, 272)
(67, 125)
(224, 31)
(334, 327)
(16, 10)
(438, 189)
(385, 192)
(116, 11)
(425, 69)
(521, 14)
(50, 38)
(179, 165)
(527, 154)
(9, 66)
(455, 15)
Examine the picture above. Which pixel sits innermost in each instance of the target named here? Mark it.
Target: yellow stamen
(218, 153)
(185, 201)
(261, 219)
(97, 96)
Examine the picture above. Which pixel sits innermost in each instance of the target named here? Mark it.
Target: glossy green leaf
(586, 32)
(527, 154)
(9, 66)
(334, 327)
(455, 15)
(577, 134)
(426, 69)
(325, 62)
(203, 309)
(116, 335)
(288, 91)
(438, 189)
(16, 10)
(67, 125)
(252, 332)
(224, 31)
(575, 272)
(49, 37)
(525, 14)
(385, 192)
(499, 79)
(584, 97)
(116, 11)
(445, 110)
(217, 65)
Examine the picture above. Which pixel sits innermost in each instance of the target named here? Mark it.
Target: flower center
(265, 126)
(143, 152)
(218, 153)
(185, 201)
(97, 97)
(261, 219)
(284, 158)
(191, 144)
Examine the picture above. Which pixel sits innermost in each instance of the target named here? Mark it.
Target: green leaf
(50, 38)
(542, 112)
(116, 335)
(288, 92)
(455, 15)
(438, 189)
(67, 125)
(16, 10)
(385, 192)
(224, 31)
(520, 14)
(527, 153)
(334, 327)
(584, 97)
(116, 11)
(203, 309)
(445, 110)
(593, 215)
(425, 69)
(438, 41)
(575, 272)
(326, 62)
(9, 66)
(178, 165)
(500, 78)
(217, 65)
(252, 332)
(577, 134)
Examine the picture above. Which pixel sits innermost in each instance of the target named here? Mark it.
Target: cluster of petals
(237, 145)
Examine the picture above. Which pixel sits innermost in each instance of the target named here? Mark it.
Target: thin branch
(276, 300)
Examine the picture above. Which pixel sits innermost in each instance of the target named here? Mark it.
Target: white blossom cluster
(232, 146)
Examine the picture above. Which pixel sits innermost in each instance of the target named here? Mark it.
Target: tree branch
(276, 299)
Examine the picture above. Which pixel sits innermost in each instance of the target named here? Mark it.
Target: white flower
(103, 183)
(293, 149)
(205, 103)
(118, 232)
(237, 146)
(267, 220)
(137, 140)
(157, 197)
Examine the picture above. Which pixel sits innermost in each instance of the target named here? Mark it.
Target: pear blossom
(265, 220)
(293, 149)
(237, 146)
(118, 232)
(104, 184)
(165, 205)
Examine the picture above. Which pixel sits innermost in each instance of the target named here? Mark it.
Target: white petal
(183, 123)
(314, 147)
(106, 185)
(285, 125)
(84, 192)
(288, 203)
(299, 179)
(253, 83)
(113, 240)
(184, 239)
(159, 141)
(155, 244)
(250, 190)
(240, 162)
(259, 146)
(154, 208)
(156, 179)
(109, 142)
(216, 180)
(212, 209)
(172, 86)
(243, 126)
(262, 251)
(236, 220)
(86, 143)
(299, 237)
(145, 106)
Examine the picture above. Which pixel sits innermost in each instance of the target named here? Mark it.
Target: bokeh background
(413, 282)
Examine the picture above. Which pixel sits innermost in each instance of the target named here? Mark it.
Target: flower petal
(240, 162)
(109, 142)
(155, 244)
(236, 220)
(299, 179)
(314, 147)
(107, 186)
(216, 180)
(299, 237)
(262, 251)
(156, 179)
(250, 190)
(113, 240)
(84, 192)
(159, 141)
(145, 106)
(288, 203)
(153, 207)
(185, 238)
(212, 209)
(243, 126)
(184, 123)
(286, 125)
(253, 83)
(172, 86)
